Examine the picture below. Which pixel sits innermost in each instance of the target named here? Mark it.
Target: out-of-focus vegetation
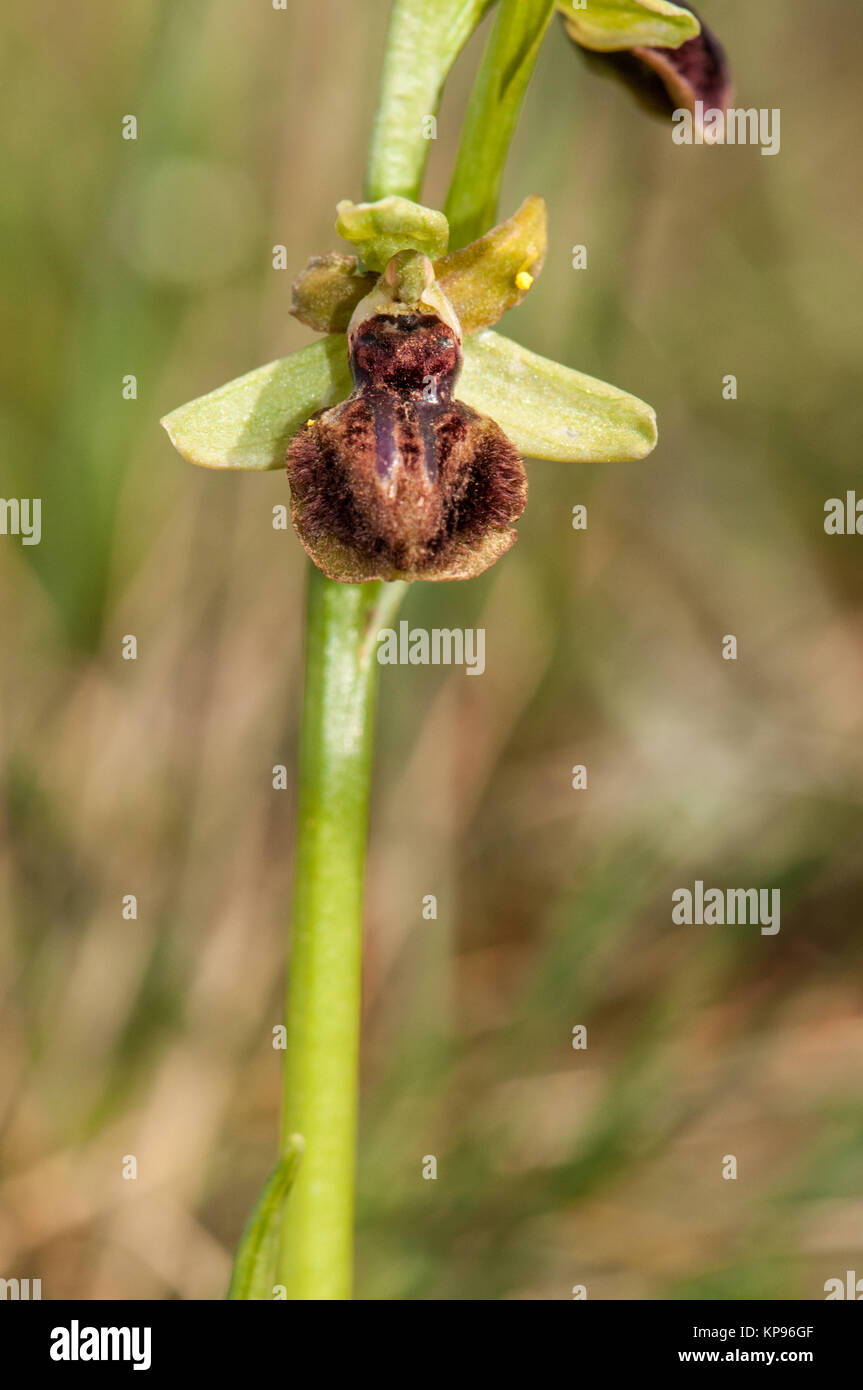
(152, 1037)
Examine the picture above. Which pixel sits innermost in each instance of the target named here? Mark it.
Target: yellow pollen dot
(309, 422)
(524, 280)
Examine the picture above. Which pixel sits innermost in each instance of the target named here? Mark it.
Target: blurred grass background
(153, 1037)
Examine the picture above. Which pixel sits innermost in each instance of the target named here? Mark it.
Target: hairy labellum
(401, 480)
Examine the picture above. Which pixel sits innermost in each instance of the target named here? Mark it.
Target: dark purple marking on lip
(387, 448)
(403, 428)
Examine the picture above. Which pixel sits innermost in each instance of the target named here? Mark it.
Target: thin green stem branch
(492, 115)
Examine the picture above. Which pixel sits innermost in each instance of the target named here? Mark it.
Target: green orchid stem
(423, 41)
(324, 985)
(342, 620)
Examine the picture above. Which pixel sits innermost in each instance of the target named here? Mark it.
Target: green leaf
(610, 25)
(492, 114)
(256, 1261)
(424, 39)
(248, 422)
(380, 230)
(550, 411)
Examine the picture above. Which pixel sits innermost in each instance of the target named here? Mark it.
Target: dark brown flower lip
(401, 480)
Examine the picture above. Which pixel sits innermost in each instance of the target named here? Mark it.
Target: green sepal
(247, 422)
(550, 411)
(256, 1262)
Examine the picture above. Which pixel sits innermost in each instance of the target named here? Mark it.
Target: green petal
(248, 422)
(610, 25)
(380, 230)
(494, 273)
(550, 411)
(255, 1264)
(326, 292)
